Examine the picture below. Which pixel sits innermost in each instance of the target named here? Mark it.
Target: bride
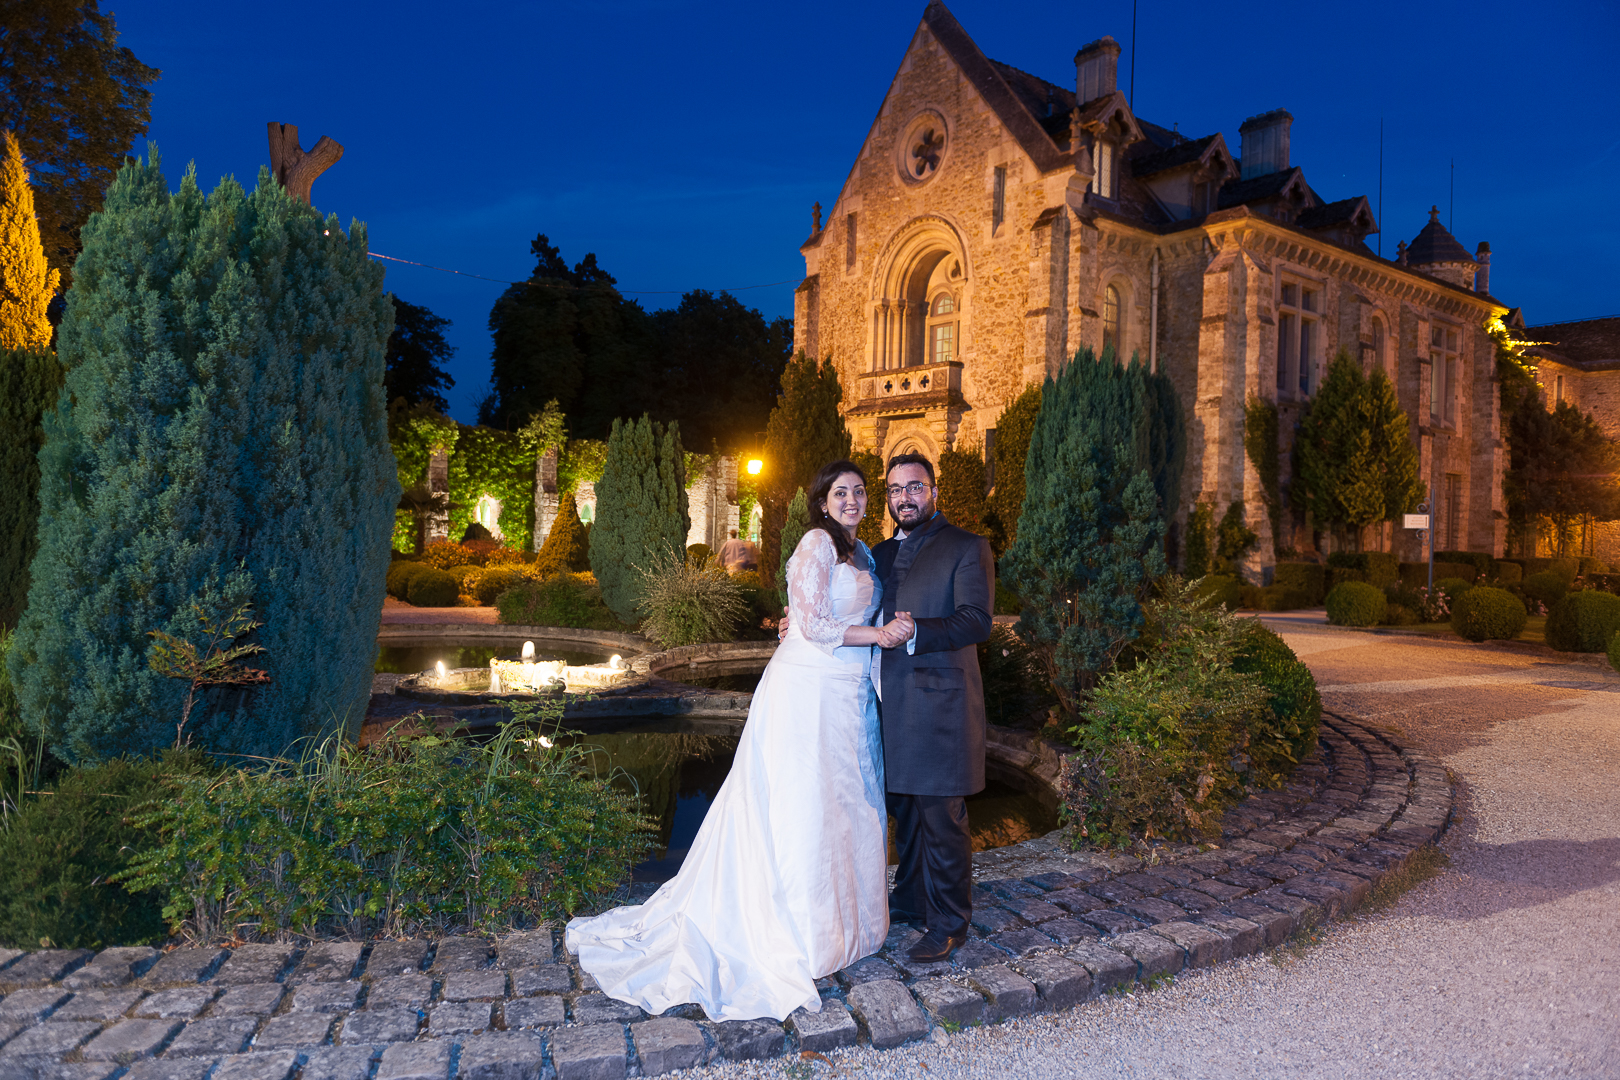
(787, 879)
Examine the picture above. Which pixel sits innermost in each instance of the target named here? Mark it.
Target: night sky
(684, 143)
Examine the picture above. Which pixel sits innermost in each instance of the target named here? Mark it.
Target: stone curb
(1053, 929)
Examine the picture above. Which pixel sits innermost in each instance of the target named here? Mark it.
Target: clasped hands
(897, 631)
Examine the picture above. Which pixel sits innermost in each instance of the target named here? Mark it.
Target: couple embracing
(872, 707)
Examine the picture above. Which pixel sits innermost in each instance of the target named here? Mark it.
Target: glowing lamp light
(528, 650)
(440, 668)
(615, 662)
(755, 466)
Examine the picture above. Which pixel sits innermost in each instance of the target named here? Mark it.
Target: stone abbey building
(994, 223)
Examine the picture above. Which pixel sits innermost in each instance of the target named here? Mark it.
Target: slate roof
(1593, 344)
(1259, 187)
(1333, 213)
(1184, 153)
(1435, 245)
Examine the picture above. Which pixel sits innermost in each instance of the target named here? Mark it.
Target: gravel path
(1507, 964)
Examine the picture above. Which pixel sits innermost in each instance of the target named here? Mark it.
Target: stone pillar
(438, 477)
(546, 500)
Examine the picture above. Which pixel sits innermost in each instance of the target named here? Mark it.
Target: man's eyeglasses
(914, 489)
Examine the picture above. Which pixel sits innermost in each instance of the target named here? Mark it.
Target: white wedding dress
(787, 879)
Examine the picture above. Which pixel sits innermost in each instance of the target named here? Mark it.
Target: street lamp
(755, 466)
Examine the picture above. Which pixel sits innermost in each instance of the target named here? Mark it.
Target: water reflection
(679, 773)
(409, 659)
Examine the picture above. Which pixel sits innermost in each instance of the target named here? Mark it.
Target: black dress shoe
(934, 948)
(898, 917)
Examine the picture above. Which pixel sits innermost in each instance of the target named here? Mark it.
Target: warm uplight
(615, 662)
(528, 650)
(545, 742)
(440, 667)
(754, 466)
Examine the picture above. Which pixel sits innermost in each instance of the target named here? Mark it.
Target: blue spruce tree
(222, 442)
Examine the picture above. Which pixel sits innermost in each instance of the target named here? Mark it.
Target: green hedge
(433, 588)
(1564, 568)
(1308, 578)
(1479, 560)
(1285, 733)
(1355, 603)
(1379, 568)
(1589, 566)
(1614, 652)
(1453, 587)
(1583, 621)
(400, 575)
(1507, 573)
(421, 834)
(1546, 586)
(1485, 613)
(496, 580)
(1275, 598)
(1223, 589)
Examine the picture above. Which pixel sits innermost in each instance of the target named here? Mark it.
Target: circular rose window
(921, 150)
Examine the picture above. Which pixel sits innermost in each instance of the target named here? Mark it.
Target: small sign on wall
(1414, 521)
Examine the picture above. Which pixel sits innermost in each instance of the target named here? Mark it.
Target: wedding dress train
(787, 879)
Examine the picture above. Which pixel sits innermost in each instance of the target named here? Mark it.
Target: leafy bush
(1614, 652)
(1589, 565)
(761, 600)
(1223, 589)
(1423, 604)
(566, 549)
(1197, 553)
(496, 580)
(1284, 734)
(1379, 567)
(466, 576)
(1453, 587)
(572, 600)
(444, 554)
(1464, 570)
(1014, 684)
(416, 834)
(59, 851)
(699, 553)
(1399, 615)
(1583, 621)
(683, 603)
(400, 575)
(433, 588)
(1308, 578)
(1566, 569)
(641, 509)
(1546, 587)
(1158, 743)
(1355, 603)
(1337, 575)
(1484, 613)
(1482, 562)
(1507, 573)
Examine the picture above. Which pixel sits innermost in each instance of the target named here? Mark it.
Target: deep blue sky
(684, 142)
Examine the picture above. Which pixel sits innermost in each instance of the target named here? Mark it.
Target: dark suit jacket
(933, 699)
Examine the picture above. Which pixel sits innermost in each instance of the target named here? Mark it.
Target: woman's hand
(897, 631)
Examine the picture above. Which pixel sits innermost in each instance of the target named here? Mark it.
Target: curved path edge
(1052, 929)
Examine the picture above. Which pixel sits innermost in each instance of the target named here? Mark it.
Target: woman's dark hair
(817, 497)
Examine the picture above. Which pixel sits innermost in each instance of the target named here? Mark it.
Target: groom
(931, 701)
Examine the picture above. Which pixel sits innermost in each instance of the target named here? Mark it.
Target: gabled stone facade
(994, 223)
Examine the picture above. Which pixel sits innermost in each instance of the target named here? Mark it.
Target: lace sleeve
(810, 591)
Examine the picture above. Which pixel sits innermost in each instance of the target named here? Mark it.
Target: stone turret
(1435, 251)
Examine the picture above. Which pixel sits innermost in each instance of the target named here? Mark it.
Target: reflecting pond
(678, 773)
(409, 659)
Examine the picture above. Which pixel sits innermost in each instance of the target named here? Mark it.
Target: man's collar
(901, 534)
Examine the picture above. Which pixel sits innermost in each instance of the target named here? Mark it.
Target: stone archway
(923, 259)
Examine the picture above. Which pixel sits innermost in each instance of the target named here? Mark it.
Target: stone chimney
(1264, 145)
(1096, 70)
(1482, 276)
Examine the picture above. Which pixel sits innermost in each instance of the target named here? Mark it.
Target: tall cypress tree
(641, 511)
(1090, 537)
(30, 377)
(222, 441)
(805, 432)
(1013, 432)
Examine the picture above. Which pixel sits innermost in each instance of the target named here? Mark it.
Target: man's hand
(897, 631)
(781, 627)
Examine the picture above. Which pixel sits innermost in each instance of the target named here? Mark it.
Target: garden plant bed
(1052, 928)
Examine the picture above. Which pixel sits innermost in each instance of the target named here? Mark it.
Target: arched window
(942, 329)
(1378, 344)
(1111, 321)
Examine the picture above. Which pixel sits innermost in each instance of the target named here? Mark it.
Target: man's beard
(909, 514)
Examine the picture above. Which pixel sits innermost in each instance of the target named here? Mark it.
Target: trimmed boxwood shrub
(1507, 573)
(1463, 570)
(1399, 615)
(1355, 603)
(1564, 568)
(1377, 567)
(433, 588)
(1453, 587)
(561, 600)
(1547, 586)
(1614, 652)
(496, 580)
(1338, 575)
(1583, 621)
(400, 575)
(1284, 734)
(1308, 578)
(1485, 613)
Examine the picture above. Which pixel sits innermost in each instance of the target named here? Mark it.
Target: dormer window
(1102, 158)
(942, 329)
